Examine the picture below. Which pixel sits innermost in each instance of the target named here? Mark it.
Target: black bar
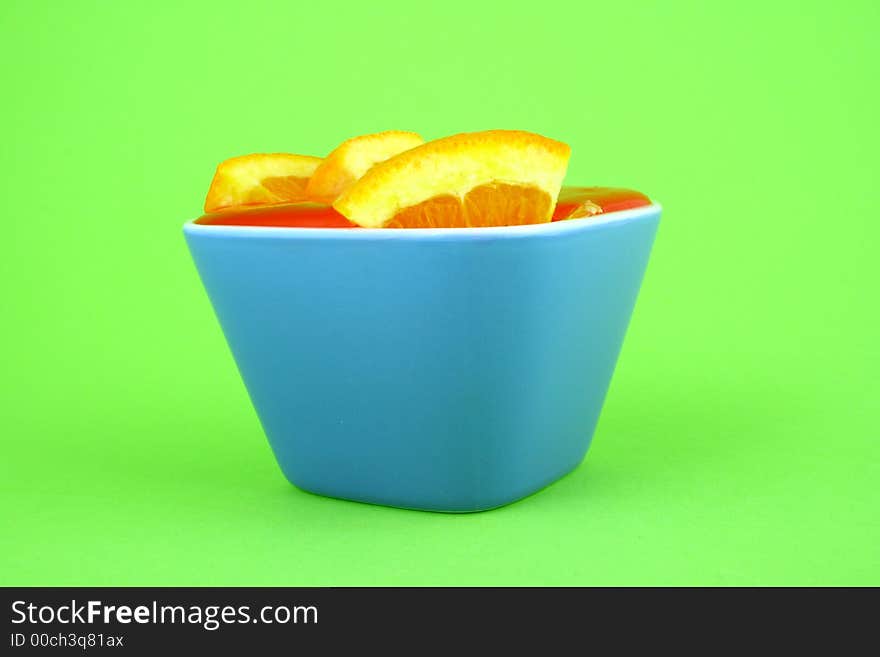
(290, 619)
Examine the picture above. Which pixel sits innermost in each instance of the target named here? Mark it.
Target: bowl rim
(372, 234)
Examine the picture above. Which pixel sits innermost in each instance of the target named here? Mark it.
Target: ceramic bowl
(440, 369)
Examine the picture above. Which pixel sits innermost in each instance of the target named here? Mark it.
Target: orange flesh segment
(495, 204)
(286, 187)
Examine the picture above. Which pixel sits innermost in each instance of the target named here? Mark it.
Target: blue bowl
(446, 369)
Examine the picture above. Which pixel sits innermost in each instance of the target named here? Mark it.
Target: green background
(740, 442)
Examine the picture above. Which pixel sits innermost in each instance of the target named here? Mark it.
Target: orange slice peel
(491, 178)
(260, 179)
(353, 158)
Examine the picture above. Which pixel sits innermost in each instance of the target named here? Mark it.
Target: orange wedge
(492, 178)
(353, 158)
(260, 179)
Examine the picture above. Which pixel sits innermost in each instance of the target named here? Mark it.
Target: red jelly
(573, 202)
(576, 202)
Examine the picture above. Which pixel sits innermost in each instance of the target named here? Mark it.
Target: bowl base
(486, 504)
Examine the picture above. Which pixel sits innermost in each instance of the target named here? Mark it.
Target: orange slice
(353, 158)
(260, 179)
(492, 178)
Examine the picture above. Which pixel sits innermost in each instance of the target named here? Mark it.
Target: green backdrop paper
(740, 443)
